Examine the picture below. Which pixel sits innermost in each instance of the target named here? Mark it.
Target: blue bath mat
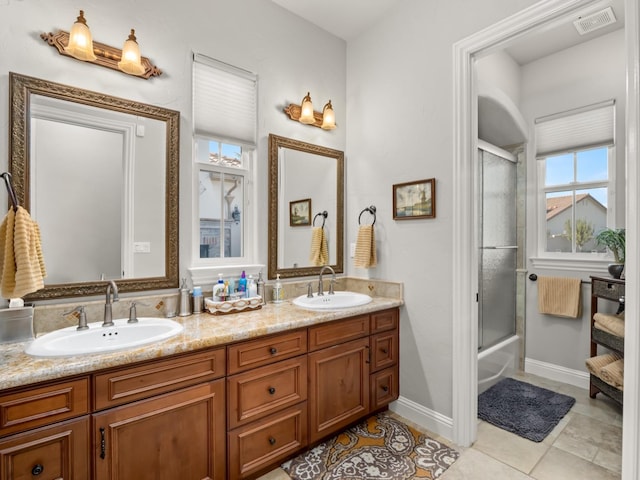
(524, 409)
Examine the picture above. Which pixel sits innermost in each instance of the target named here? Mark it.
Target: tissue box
(16, 324)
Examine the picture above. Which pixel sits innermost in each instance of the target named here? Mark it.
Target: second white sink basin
(337, 301)
(98, 339)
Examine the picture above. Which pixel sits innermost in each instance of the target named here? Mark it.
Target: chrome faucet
(333, 280)
(111, 287)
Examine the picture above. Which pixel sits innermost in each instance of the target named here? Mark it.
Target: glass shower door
(498, 249)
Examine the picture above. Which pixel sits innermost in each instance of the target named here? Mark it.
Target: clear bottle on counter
(278, 293)
(252, 288)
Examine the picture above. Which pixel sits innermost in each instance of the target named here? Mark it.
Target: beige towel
(559, 296)
(613, 324)
(596, 364)
(613, 374)
(366, 247)
(22, 269)
(319, 249)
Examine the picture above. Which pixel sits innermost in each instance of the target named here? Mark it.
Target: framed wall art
(413, 200)
(300, 213)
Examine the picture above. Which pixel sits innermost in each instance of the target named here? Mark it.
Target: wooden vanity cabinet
(167, 419)
(266, 401)
(44, 431)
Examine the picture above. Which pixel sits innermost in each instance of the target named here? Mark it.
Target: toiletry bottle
(185, 301)
(278, 293)
(260, 288)
(198, 301)
(252, 288)
(218, 289)
(242, 285)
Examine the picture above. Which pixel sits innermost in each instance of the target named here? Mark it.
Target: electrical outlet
(141, 247)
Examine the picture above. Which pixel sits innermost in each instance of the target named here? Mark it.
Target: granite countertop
(200, 331)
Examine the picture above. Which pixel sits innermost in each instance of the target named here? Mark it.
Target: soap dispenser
(278, 293)
(185, 301)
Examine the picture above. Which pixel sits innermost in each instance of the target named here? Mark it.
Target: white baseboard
(423, 416)
(577, 378)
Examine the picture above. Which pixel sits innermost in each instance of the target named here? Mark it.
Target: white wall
(289, 56)
(400, 114)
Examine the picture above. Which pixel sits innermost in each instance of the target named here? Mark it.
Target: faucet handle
(310, 290)
(82, 317)
(133, 316)
(332, 282)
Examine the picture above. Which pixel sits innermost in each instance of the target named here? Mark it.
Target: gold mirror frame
(21, 87)
(275, 142)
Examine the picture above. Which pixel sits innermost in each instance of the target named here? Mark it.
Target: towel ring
(324, 216)
(371, 210)
(12, 194)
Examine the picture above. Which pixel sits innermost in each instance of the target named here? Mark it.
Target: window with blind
(224, 120)
(575, 152)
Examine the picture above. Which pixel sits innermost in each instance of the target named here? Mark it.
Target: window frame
(572, 259)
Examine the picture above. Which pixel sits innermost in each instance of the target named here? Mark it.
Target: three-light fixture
(304, 113)
(79, 44)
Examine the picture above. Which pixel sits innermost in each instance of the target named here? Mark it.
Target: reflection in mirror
(99, 175)
(299, 173)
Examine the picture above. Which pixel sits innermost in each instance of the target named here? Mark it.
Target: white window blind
(224, 101)
(575, 129)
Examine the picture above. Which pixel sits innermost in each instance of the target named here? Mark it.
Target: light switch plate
(352, 250)
(142, 247)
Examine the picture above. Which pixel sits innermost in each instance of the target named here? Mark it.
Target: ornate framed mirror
(100, 176)
(301, 173)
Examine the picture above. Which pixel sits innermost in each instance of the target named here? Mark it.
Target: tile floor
(585, 445)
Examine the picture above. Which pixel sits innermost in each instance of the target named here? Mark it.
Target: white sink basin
(98, 339)
(337, 301)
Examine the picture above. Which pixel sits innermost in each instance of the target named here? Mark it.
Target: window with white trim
(576, 160)
(224, 140)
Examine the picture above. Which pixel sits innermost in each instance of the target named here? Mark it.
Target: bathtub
(497, 362)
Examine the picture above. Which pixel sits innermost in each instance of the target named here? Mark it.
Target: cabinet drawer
(128, 384)
(385, 320)
(266, 442)
(385, 387)
(265, 390)
(44, 405)
(384, 350)
(607, 289)
(60, 451)
(256, 353)
(330, 334)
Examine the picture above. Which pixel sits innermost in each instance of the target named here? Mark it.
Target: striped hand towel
(22, 268)
(366, 247)
(319, 249)
(559, 296)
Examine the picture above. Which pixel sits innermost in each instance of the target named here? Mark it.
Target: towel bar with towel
(533, 277)
(8, 180)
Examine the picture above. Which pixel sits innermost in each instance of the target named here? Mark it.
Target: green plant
(614, 240)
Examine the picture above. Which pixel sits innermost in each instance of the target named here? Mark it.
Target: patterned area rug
(524, 409)
(381, 447)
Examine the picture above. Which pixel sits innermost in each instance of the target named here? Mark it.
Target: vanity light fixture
(79, 45)
(130, 62)
(305, 113)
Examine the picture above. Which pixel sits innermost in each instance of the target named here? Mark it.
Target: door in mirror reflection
(97, 183)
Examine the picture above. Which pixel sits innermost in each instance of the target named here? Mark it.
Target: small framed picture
(300, 213)
(414, 200)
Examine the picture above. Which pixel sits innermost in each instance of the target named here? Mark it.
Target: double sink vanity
(228, 396)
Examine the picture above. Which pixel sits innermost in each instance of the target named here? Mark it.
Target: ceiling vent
(595, 21)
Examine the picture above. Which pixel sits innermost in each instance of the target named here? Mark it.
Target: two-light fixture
(79, 44)
(304, 113)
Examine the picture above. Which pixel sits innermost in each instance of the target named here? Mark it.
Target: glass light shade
(328, 117)
(130, 62)
(80, 42)
(306, 111)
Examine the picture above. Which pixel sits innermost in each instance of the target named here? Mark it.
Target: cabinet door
(385, 387)
(60, 451)
(176, 435)
(338, 387)
(384, 350)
